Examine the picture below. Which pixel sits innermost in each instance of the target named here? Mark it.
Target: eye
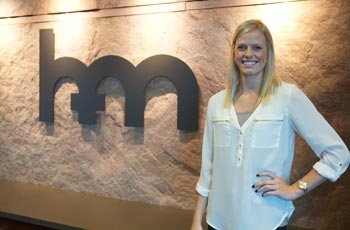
(257, 47)
(241, 47)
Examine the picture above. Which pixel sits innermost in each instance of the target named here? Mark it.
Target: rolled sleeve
(202, 191)
(332, 167)
(204, 182)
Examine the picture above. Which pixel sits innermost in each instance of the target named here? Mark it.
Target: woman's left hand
(275, 186)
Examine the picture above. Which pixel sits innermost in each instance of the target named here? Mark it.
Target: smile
(249, 63)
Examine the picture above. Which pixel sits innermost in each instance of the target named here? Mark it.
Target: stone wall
(158, 164)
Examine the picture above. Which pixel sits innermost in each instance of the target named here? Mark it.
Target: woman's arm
(320, 136)
(199, 213)
(276, 186)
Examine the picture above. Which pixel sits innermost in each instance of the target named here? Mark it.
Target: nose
(248, 52)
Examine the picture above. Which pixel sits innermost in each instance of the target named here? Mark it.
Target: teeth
(249, 62)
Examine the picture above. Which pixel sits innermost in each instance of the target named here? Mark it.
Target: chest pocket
(221, 131)
(267, 131)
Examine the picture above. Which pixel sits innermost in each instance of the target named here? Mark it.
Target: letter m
(134, 80)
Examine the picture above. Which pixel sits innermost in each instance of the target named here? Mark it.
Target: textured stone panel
(159, 164)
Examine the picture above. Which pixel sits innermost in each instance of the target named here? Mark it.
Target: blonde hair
(270, 81)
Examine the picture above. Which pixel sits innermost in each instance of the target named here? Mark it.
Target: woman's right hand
(196, 226)
(199, 212)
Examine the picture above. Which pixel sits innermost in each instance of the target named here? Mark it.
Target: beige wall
(159, 164)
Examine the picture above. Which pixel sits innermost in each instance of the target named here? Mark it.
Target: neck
(247, 93)
(250, 84)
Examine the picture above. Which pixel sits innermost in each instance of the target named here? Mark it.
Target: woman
(249, 140)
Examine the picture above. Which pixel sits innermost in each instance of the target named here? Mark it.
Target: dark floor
(7, 224)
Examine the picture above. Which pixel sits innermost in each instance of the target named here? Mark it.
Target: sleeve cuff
(326, 171)
(202, 191)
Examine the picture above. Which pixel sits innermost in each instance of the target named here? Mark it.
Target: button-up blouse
(232, 155)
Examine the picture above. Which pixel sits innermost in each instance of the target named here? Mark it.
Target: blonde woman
(249, 141)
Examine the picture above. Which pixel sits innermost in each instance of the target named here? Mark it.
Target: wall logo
(134, 80)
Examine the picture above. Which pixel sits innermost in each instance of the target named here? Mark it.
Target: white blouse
(232, 155)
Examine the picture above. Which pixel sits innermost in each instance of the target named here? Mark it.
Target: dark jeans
(280, 228)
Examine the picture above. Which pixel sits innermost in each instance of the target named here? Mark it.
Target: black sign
(134, 80)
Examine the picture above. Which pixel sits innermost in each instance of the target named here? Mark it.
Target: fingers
(270, 193)
(272, 185)
(268, 174)
(264, 182)
(267, 186)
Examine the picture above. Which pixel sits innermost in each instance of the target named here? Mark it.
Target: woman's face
(251, 54)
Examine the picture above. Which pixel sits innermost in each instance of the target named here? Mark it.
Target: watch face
(302, 184)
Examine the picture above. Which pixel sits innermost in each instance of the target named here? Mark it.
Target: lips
(249, 63)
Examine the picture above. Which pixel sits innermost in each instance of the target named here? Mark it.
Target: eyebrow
(254, 44)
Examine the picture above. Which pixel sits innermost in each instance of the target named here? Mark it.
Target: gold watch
(302, 185)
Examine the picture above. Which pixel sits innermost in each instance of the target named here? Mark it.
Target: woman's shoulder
(286, 88)
(219, 94)
(217, 98)
(286, 85)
